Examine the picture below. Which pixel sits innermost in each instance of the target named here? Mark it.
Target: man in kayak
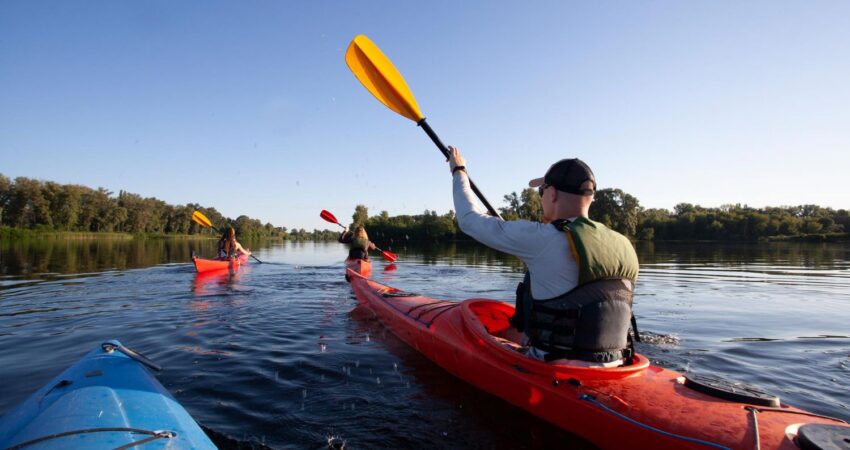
(575, 303)
(359, 241)
(228, 247)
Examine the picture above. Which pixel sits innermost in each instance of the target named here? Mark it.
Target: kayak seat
(495, 317)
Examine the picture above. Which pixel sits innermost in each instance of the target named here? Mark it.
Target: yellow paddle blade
(380, 77)
(201, 219)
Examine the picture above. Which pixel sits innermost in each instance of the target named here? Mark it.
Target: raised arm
(241, 249)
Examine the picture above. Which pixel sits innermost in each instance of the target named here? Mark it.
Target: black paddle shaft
(422, 123)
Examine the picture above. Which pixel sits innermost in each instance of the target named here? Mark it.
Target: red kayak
(635, 406)
(208, 265)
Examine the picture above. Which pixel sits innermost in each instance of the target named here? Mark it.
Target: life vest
(222, 253)
(359, 248)
(360, 243)
(590, 322)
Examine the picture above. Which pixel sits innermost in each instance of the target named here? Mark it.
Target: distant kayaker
(359, 241)
(575, 302)
(228, 247)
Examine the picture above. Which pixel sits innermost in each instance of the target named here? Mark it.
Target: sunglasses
(542, 188)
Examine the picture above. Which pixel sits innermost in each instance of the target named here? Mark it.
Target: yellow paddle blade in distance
(380, 77)
(201, 219)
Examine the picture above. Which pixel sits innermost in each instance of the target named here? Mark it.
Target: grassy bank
(821, 237)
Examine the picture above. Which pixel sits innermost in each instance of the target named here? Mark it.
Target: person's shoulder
(532, 227)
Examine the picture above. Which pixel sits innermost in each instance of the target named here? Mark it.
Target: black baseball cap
(567, 175)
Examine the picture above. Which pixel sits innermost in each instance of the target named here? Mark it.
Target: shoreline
(8, 233)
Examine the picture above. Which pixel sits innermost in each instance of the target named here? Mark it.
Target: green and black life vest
(223, 252)
(590, 322)
(359, 247)
(360, 243)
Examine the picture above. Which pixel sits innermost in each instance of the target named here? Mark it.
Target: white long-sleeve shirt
(542, 248)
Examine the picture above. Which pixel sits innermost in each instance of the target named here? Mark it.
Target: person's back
(228, 246)
(358, 241)
(575, 302)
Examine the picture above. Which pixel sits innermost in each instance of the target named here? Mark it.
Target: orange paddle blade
(201, 219)
(380, 77)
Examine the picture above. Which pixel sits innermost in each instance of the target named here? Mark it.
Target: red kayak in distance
(635, 406)
(207, 265)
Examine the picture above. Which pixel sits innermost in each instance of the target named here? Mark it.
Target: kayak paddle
(325, 214)
(388, 255)
(380, 77)
(203, 220)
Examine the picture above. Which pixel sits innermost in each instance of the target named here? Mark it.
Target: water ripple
(279, 355)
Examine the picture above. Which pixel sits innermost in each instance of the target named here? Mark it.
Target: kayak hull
(104, 390)
(210, 265)
(634, 406)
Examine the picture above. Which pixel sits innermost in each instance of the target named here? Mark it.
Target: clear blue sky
(249, 107)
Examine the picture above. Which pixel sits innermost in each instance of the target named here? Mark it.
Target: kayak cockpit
(489, 320)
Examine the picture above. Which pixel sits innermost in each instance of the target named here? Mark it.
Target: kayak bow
(106, 400)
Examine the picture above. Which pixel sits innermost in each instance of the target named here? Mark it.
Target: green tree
(5, 195)
(527, 206)
(28, 207)
(646, 234)
(617, 210)
(532, 206)
(360, 216)
(512, 211)
(67, 212)
(812, 226)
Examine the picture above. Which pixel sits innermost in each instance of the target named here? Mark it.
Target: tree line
(31, 204)
(622, 212)
(733, 222)
(428, 226)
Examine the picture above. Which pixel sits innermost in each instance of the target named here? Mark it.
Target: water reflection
(52, 256)
(766, 255)
(455, 253)
(215, 281)
(26, 258)
(800, 254)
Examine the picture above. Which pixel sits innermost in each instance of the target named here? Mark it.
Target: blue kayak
(106, 400)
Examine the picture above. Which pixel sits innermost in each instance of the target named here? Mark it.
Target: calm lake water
(278, 355)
